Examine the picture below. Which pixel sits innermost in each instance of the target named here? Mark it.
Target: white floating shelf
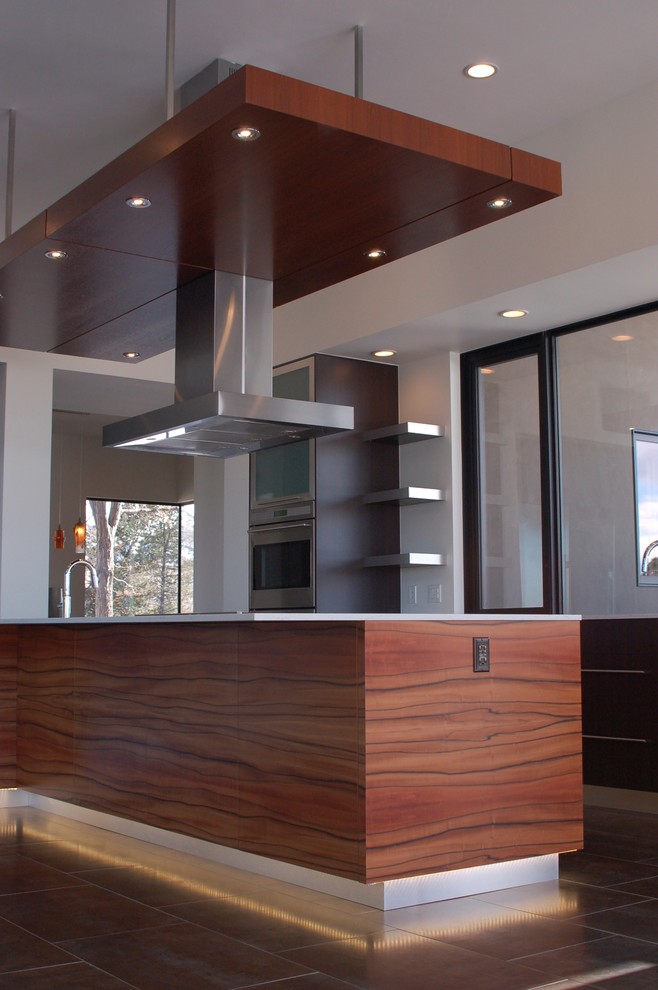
(406, 496)
(406, 560)
(405, 433)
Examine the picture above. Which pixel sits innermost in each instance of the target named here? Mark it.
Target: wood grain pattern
(330, 177)
(46, 711)
(8, 700)
(464, 769)
(365, 749)
(301, 776)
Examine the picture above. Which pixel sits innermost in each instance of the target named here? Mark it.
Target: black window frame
(541, 346)
(545, 345)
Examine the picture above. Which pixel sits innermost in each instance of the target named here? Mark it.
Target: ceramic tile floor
(84, 909)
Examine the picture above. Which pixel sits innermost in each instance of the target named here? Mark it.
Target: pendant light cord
(11, 167)
(80, 488)
(61, 456)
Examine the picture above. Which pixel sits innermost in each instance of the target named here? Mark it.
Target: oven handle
(282, 525)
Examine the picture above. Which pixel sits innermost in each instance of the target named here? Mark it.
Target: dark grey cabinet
(343, 469)
(619, 657)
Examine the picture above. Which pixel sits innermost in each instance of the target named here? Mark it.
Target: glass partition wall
(510, 484)
(608, 408)
(508, 517)
(561, 470)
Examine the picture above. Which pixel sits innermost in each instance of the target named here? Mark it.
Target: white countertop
(301, 617)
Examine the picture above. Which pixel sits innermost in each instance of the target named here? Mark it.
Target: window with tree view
(143, 553)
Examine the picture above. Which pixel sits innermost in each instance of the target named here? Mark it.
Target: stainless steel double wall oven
(282, 513)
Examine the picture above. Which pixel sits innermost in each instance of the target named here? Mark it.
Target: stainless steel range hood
(224, 404)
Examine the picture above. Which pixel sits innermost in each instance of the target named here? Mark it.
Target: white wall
(608, 208)
(221, 497)
(30, 497)
(82, 468)
(26, 416)
(26, 435)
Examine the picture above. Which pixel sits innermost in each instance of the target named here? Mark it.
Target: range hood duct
(223, 380)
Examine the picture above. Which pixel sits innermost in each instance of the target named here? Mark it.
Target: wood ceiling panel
(149, 330)
(47, 304)
(330, 176)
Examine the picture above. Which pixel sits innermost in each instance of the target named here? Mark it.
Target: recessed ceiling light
(513, 314)
(56, 254)
(375, 253)
(623, 336)
(138, 202)
(131, 355)
(383, 353)
(246, 133)
(487, 371)
(500, 203)
(481, 70)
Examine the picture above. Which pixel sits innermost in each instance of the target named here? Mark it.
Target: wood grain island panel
(464, 768)
(8, 699)
(367, 749)
(301, 750)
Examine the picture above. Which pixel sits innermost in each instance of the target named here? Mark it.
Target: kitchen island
(362, 750)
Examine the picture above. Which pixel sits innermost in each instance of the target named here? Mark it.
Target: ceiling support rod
(358, 61)
(11, 165)
(169, 70)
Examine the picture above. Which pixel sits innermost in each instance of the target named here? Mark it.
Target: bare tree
(137, 548)
(106, 516)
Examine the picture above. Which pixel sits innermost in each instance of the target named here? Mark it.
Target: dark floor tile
(159, 886)
(76, 912)
(636, 849)
(396, 959)
(279, 923)
(321, 899)
(73, 856)
(561, 899)
(19, 874)
(638, 921)
(74, 976)
(499, 930)
(75, 846)
(645, 888)
(613, 963)
(617, 821)
(314, 981)
(621, 834)
(603, 870)
(444, 920)
(183, 957)
(13, 826)
(234, 921)
(634, 852)
(27, 825)
(20, 950)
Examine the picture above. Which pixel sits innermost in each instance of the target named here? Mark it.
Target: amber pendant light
(79, 536)
(79, 530)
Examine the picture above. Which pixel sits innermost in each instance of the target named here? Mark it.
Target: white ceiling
(87, 77)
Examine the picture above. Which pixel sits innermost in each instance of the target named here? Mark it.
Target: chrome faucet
(67, 582)
(644, 566)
